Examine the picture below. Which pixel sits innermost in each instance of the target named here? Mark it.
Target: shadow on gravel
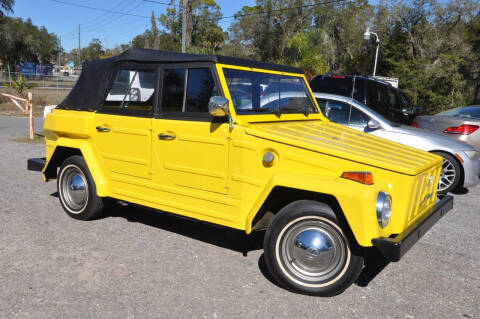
(374, 263)
(460, 191)
(232, 239)
(265, 272)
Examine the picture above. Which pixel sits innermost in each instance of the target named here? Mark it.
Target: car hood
(340, 141)
(444, 142)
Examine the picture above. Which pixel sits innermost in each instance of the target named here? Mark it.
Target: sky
(112, 29)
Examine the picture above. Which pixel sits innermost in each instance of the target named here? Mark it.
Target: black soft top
(90, 90)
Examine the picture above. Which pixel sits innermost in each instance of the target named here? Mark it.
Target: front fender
(356, 200)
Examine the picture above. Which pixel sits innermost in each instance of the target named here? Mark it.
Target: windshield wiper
(306, 110)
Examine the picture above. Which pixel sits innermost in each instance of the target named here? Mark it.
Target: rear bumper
(36, 164)
(394, 248)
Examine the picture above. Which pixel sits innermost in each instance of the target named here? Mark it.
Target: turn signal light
(464, 129)
(361, 177)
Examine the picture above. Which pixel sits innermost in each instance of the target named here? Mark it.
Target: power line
(164, 3)
(112, 19)
(99, 9)
(92, 22)
(282, 9)
(121, 5)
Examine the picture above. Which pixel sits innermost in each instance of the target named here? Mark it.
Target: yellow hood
(340, 141)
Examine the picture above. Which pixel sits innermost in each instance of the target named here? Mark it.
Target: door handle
(102, 129)
(163, 136)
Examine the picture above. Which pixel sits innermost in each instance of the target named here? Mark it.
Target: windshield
(465, 112)
(264, 93)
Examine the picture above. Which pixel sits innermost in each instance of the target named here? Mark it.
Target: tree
(472, 37)
(6, 6)
(23, 41)
(203, 32)
(93, 51)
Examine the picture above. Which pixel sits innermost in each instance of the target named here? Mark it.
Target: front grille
(425, 190)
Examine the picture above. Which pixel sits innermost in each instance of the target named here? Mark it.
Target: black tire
(451, 174)
(326, 267)
(77, 191)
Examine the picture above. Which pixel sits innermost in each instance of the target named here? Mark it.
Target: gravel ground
(141, 264)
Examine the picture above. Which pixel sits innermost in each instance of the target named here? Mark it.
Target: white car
(138, 84)
(461, 161)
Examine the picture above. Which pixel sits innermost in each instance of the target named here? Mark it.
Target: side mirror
(418, 110)
(373, 125)
(218, 106)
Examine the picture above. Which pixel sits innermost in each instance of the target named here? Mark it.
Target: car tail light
(338, 77)
(464, 129)
(414, 124)
(361, 177)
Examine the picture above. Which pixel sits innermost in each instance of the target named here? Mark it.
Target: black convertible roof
(147, 55)
(90, 89)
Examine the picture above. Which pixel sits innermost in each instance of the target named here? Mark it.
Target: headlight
(473, 155)
(384, 208)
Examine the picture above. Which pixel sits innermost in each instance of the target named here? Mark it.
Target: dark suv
(378, 95)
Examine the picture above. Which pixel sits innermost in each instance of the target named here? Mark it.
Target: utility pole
(184, 25)
(59, 48)
(79, 48)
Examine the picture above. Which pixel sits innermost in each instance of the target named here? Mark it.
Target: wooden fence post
(30, 112)
(28, 109)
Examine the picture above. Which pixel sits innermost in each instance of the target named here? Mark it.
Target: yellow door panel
(125, 144)
(192, 154)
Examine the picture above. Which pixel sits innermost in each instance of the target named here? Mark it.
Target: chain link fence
(46, 89)
(57, 82)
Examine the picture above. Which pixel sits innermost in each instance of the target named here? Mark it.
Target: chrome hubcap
(447, 177)
(313, 251)
(74, 189)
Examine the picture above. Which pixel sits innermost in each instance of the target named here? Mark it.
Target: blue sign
(71, 63)
(27, 68)
(44, 69)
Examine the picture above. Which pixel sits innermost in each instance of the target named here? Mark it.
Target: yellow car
(241, 144)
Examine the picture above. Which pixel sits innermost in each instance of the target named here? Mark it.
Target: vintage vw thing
(241, 144)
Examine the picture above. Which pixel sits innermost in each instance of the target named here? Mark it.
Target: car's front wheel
(307, 251)
(77, 191)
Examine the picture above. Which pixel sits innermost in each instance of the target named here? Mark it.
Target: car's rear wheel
(77, 191)
(451, 174)
(307, 251)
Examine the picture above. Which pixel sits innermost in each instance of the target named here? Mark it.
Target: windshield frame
(268, 117)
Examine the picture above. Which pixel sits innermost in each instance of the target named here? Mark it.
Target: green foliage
(22, 41)
(203, 32)
(20, 84)
(433, 47)
(93, 51)
(6, 6)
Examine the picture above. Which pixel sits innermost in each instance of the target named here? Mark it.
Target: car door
(123, 123)
(359, 120)
(190, 146)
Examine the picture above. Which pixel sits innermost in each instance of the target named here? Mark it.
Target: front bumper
(471, 170)
(394, 248)
(36, 164)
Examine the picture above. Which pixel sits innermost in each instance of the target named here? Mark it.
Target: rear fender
(65, 147)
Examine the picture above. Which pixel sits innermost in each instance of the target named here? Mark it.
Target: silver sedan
(462, 123)
(461, 161)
